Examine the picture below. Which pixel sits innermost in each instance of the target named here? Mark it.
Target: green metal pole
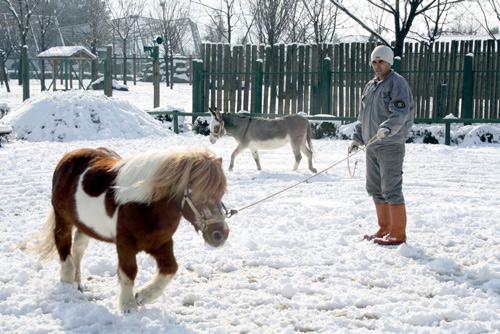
(108, 75)
(26, 72)
(176, 122)
(443, 96)
(326, 85)
(257, 89)
(397, 64)
(447, 136)
(468, 85)
(156, 76)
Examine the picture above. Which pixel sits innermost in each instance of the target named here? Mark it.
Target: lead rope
(232, 212)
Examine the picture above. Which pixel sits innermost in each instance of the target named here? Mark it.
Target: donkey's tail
(308, 139)
(45, 245)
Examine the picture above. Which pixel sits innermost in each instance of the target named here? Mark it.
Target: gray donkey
(257, 133)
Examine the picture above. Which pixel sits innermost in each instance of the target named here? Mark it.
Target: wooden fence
(329, 79)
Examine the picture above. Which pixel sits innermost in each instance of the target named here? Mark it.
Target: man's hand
(382, 133)
(354, 146)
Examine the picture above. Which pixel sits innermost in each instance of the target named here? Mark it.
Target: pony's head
(199, 187)
(194, 180)
(216, 125)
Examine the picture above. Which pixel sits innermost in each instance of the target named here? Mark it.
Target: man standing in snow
(387, 114)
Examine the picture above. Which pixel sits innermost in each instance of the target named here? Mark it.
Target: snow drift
(80, 115)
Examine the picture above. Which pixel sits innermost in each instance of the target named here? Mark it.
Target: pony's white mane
(135, 174)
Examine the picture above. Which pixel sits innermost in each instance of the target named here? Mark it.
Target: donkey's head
(216, 125)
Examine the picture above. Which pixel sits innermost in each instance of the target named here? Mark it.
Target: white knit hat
(383, 52)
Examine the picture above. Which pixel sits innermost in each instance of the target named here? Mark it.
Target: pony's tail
(45, 246)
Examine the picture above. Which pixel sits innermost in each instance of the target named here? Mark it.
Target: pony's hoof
(140, 298)
(129, 307)
(314, 170)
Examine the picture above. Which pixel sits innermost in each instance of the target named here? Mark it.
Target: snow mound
(80, 115)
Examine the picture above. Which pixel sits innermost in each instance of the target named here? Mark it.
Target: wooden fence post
(442, 99)
(66, 74)
(26, 72)
(156, 76)
(134, 68)
(108, 72)
(257, 86)
(197, 89)
(326, 85)
(397, 64)
(468, 85)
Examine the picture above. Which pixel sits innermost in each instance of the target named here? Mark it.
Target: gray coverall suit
(387, 103)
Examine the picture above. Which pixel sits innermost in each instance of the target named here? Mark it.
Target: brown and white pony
(137, 204)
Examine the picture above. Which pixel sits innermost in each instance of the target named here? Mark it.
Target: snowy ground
(293, 264)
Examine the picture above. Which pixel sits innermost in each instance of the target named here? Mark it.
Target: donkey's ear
(219, 161)
(211, 111)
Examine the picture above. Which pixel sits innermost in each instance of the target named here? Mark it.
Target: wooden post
(468, 85)
(108, 72)
(54, 74)
(80, 75)
(326, 87)
(134, 68)
(175, 121)
(447, 137)
(115, 72)
(156, 77)
(257, 87)
(397, 64)
(197, 89)
(26, 72)
(70, 73)
(66, 74)
(442, 101)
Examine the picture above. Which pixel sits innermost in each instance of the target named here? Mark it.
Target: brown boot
(397, 234)
(384, 220)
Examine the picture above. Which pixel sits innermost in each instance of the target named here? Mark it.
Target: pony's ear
(212, 111)
(219, 161)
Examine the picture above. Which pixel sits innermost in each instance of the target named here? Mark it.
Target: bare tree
(44, 19)
(124, 15)
(298, 25)
(271, 19)
(22, 12)
(223, 19)
(486, 6)
(99, 28)
(435, 20)
(323, 16)
(403, 13)
(173, 28)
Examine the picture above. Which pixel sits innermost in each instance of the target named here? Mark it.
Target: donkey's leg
(167, 267)
(296, 153)
(236, 151)
(80, 243)
(309, 154)
(62, 238)
(255, 155)
(127, 270)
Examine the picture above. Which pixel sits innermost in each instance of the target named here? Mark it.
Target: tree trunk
(94, 62)
(4, 74)
(124, 62)
(165, 60)
(171, 69)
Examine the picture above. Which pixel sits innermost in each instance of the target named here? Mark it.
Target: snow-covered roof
(63, 52)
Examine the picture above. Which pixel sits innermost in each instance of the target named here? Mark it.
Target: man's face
(381, 68)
